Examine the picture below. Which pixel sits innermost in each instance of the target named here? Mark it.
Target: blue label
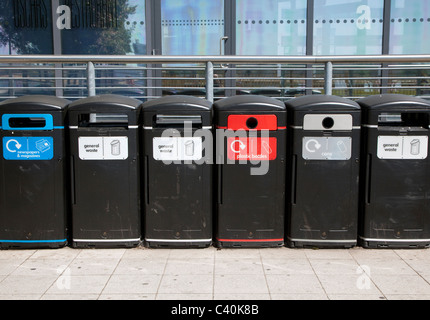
(28, 148)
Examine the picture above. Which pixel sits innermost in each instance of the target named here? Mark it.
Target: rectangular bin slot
(420, 120)
(177, 121)
(19, 123)
(103, 120)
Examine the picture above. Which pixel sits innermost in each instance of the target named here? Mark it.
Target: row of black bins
(319, 171)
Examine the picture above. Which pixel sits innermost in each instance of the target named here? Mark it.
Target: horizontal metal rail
(213, 59)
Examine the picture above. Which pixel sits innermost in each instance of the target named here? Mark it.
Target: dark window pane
(114, 27)
(25, 27)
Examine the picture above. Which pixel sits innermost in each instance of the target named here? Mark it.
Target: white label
(103, 148)
(177, 149)
(398, 148)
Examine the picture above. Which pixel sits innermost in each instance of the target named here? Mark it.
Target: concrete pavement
(211, 274)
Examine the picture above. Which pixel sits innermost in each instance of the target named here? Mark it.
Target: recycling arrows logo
(317, 146)
(17, 145)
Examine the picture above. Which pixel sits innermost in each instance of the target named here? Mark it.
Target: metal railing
(214, 77)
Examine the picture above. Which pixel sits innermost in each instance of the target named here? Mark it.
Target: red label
(252, 149)
(253, 122)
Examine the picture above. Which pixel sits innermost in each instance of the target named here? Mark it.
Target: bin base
(394, 244)
(180, 244)
(238, 243)
(331, 244)
(17, 244)
(105, 244)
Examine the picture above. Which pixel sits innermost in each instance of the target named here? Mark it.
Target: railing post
(210, 81)
(328, 86)
(91, 79)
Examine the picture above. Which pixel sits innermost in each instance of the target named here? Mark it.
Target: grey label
(339, 122)
(327, 148)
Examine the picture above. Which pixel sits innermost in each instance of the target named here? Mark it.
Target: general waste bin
(178, 149)
(324, 156)
(395, 201)
(250, 162)
(33, 173)
(104, 146)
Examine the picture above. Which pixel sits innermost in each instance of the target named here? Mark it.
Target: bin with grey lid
(395, 201)
(33, 173)
(105, 170)
(177, 174)
(324, 154)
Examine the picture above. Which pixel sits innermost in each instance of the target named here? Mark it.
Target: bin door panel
(106, 193)
(399, 198)
(179, 203)
(326, 192)
(178, 189)
(33, 190)
(29, 201)
(252, 207)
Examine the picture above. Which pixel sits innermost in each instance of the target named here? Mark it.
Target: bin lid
(34, 103)
(322, 103)
(106, 102)
(299, 107)
(249, 105)
(372, 106)
(179, 105)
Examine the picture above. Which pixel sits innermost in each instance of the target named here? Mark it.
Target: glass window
(409, 34)
(192, 27)
(348, 27)
(271, 27)
(410, 27)
(25, 27)
(105, 27)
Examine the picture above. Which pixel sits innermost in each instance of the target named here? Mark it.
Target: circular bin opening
(252, 123)
(328, 123)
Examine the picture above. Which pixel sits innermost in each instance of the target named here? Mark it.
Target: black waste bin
(33, 173)
(250, 165)
(395, 198)
(178, 163)
(104, 146)
(324, 156)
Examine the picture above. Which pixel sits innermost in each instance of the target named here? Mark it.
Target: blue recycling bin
(33, 173)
